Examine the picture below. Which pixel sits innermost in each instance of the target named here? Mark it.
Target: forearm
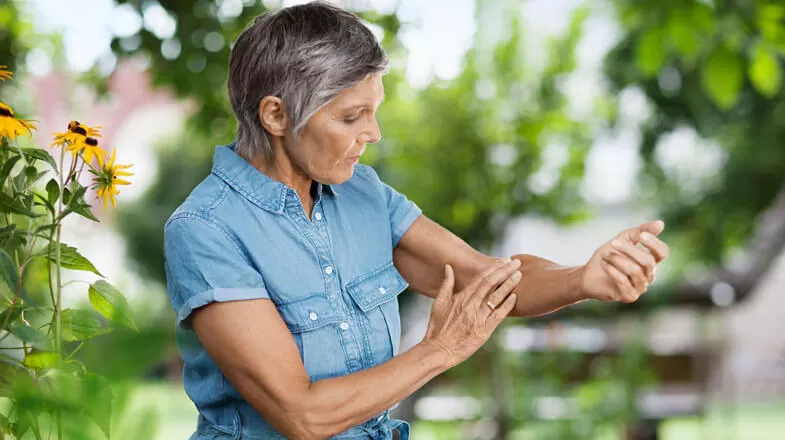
(546, 286)
(330, 406)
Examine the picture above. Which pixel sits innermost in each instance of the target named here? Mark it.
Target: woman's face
(333, 140)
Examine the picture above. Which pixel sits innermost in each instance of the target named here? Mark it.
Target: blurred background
(524, 126)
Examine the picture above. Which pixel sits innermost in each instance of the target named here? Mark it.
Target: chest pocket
(376, 294)
(313, 323)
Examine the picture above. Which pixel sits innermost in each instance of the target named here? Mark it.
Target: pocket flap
(376, 287)
(308, 314)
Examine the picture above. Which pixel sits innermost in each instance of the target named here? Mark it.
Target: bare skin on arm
(255, 350)
(619, 270)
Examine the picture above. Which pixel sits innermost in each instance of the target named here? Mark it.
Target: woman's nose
(373, 134)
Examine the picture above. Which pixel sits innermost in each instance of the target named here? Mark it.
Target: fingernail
(646, 236)
(516, 262)
(506, 259)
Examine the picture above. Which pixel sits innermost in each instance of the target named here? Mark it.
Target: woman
(285, 263)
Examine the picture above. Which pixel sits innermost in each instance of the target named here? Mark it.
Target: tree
(715, 67)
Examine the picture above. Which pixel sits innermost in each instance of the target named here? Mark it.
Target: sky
(437, 33)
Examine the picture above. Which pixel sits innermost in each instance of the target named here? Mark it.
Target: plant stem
(76, 350)
(59, 288)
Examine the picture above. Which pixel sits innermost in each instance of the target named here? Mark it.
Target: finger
(654, 227)
(622, 284)
(500, 294)
(638, 255)
(657, 247)
(448, 284)
(630, 269)
(634, 234)
(492, 281)
(494, 319)
(487, 271)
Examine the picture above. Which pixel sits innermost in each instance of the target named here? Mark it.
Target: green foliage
(41, 385)
(728, 89)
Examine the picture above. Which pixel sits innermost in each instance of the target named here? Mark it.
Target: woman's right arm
(254, 349)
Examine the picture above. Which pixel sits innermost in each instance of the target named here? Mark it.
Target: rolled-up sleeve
(401, 211)
(204, 264)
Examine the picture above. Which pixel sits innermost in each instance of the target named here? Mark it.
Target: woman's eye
(351, 119)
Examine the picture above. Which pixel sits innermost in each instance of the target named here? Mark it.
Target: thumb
(654, 227)
(448, 284)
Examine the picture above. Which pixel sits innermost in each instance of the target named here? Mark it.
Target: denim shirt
(241, 235)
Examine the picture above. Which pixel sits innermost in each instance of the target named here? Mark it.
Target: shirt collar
(252, 184)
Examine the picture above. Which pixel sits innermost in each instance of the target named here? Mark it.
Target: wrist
(435, 355)
(575, 280)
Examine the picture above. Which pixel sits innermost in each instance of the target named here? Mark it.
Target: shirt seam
(213, 224)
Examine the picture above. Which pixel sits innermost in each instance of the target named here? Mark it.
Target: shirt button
(382, 290)
(344, 326)
(317, 216)
(328, 270)
(313, 316)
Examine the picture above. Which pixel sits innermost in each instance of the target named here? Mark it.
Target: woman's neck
(281, 169)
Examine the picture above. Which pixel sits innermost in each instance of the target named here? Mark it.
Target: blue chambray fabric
(241, 235)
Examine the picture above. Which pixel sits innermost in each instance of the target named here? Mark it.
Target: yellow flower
(5, 74)
(11, 127)
(89, 147)
(76, 134)
(108, 178)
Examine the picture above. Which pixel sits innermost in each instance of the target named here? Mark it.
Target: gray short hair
(306, 55)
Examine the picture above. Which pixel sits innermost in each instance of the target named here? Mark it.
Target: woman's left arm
(618, 270)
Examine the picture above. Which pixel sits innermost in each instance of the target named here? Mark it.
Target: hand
(460, 323)
(620, 270)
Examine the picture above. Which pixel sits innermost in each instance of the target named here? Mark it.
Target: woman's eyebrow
(361, 106)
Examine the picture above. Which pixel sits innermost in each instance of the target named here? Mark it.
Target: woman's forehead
(368, 92)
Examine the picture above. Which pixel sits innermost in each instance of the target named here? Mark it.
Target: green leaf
(99, 392)
(80, 325)
(651, 52)
(111, 304)
(722, 77)
(84, 211)
(765, 70)
(70, 258)
(39, 154)
(29, 334)
(38, 360)
(682, 35)
(14, 313)
(6, 170)
(30, 172)
(78, 195)
(52, 191)
(8, 270)
(13, 206)
(5, 426)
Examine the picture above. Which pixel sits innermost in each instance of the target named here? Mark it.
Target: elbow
(302, 421)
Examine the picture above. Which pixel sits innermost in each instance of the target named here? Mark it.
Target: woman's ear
(272, 115)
